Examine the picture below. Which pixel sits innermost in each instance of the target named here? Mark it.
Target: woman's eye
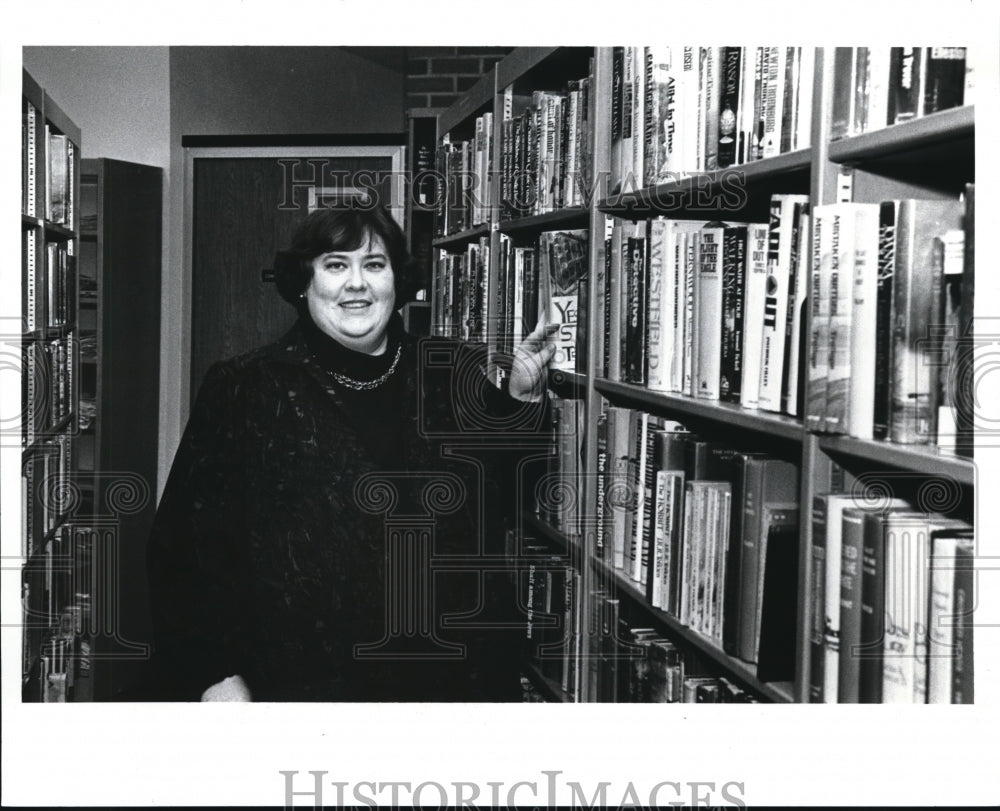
(335, 265)
(375, 265)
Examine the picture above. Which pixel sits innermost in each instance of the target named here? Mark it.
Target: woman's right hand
(230, 689)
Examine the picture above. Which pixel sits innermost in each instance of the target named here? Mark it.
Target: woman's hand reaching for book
(529, 369)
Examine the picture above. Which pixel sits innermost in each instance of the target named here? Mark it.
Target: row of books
(459, 292)
(879, 86)
(57, 606)
(625, 664)
(545, 278)
(45, 492)
(683, 109)
(546, 150)
(48, 295)
(891, 297)
(49, 195)
(709, 533)
(892, 600)
(466, 170)
(48, 379)
(709, 309)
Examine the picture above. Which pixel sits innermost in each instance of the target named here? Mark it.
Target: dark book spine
(872, 610)
(729, 105)
(884, 317)
(734, 559)
(733, 278)
(793, 283)
(965, 395)
(904, 84)
(817, 602)
(963, 665)
(944, 82)
(635, 336)
(851, 546)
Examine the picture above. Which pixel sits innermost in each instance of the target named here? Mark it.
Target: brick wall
(437, 75)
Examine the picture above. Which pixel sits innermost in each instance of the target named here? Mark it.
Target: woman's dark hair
(340, 229)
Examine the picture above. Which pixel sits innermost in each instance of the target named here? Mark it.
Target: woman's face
(351, 295)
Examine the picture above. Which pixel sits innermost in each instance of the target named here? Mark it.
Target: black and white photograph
(381, 381)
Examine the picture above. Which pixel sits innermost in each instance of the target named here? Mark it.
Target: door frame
(395, 152)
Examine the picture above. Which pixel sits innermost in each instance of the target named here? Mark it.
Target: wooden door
(245, 209)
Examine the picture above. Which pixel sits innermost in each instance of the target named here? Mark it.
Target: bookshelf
(930, 156)
(119, 272)
(55, 604)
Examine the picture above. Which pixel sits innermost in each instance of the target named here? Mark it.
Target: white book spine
(940, 628)
(709, 315)
(905, 573)
(755, 291)
(659, 299)
(804, 107)
(834, 517)
(642, 426)
(838, 374)
(861, 411)
(819, 305)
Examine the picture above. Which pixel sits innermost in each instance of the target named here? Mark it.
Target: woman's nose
(356, 279)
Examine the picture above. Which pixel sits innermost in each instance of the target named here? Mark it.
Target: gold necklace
(368, 385)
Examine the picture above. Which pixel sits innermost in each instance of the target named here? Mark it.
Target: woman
(334, 517)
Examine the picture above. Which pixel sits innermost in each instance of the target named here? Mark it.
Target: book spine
(654, 584)
(860, 410)
(635, 333)
(711, 78)
(849, 673)
(602, 482)
(638, 538)
(638, 114)
(628, 120)
(905, 67)
(733, 284)
(792, 394)
(963, 663)
(963, 414)
(750, 559)
(660, 333)
(775, 307)
(807, 71)
(729, 106)
(690, 336)
(817, 603)
(842, 104)
(788, 357)
(788, 98)
(617, 99)
(905, 557)
(940, 621)
(838, 373)
(872, 609)
(619, 497)
(911, 414)
(884, 318)
(772, 100)
(823, 221)
(755, 292)
(944, 85)
(709, 301)
(831, 589)
(616, 315)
